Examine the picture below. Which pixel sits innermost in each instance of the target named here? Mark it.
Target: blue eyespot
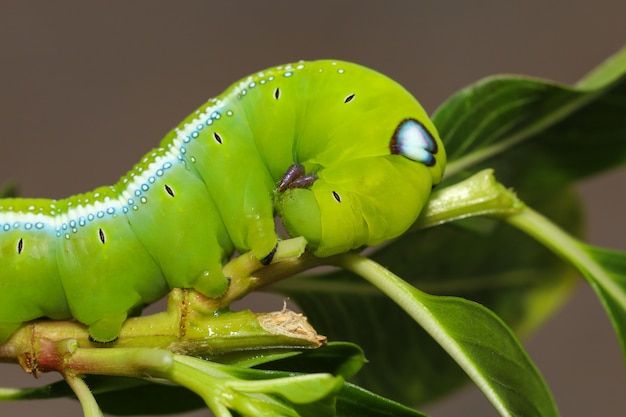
(413, 140)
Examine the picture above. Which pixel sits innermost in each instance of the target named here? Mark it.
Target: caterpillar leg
(106, 329)
(212, 283)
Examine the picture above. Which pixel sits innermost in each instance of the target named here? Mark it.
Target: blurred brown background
(86, 90)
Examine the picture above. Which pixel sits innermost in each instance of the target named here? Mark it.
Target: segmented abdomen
(95, 256)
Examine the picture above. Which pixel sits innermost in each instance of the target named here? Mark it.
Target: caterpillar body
(344, 155)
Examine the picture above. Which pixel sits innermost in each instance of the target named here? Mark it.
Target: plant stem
(86, 398)
(565, 246)
(179, 329)
(478, 195)
(409, 299)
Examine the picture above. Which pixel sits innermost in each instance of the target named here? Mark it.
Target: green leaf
(537, 134)
(131, 396)
(475, 337)
(354, 401)
(605, 73)
(604, 269)
(610, 286)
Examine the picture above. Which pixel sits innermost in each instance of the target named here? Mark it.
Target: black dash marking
(101, 236)
(20, 246)
(268, 259)
(277, 93)
(217, 137)
(348, 99)
(169, 190)
(337, 196)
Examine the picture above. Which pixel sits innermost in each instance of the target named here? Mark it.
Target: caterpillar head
(364, 198)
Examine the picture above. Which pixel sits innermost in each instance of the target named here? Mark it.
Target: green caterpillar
(346, 156)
